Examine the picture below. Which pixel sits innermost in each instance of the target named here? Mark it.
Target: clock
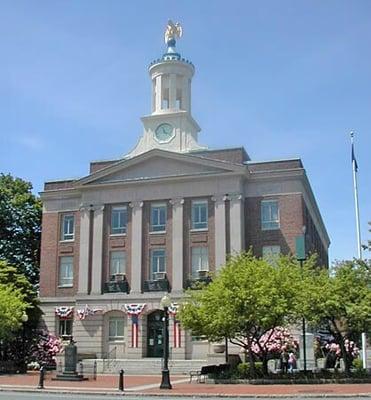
(164, 132)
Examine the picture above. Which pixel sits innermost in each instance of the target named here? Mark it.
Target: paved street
(44, 396)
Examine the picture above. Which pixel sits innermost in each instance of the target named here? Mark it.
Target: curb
(188, 395)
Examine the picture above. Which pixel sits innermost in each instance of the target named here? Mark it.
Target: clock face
(164, 132)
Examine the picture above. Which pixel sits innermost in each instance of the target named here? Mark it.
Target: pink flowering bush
(273, 342)
(45, 348)
(332, 351)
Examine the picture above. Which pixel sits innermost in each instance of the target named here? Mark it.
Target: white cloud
(31, 142)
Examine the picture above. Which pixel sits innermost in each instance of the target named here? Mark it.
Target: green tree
(248, 298)
(341, 301)
(368, 245)
(11, 277)
(12, 307)
(20, 226)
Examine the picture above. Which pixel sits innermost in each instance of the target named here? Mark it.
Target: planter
(219, 348)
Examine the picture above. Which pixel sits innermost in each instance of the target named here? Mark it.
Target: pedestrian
(284, 361)
(292, 362)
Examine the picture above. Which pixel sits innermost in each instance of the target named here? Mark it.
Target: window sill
(116, 341)
(64, 286)
(199, 230)
(157, 232)
(66, 240)
(271, 229)
(117, 234)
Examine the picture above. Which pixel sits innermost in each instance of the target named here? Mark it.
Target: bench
(201, 374)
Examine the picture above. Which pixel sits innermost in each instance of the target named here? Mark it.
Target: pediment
(159, 164)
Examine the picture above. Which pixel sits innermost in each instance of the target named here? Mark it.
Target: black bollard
(121, 381)
(42, 377)
(95, 370)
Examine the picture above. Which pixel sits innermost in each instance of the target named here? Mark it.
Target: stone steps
(144, 366)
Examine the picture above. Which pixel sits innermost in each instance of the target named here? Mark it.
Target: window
(269, 215)
(158, 262)
(68, 227)
(199, 214)
(200, 260)
(158, 217)
(66, 272)
(116, 329)
(117, 263)
(119, 220)
(65, 327)
(271, 253)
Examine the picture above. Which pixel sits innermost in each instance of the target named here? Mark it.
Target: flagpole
(355, 188)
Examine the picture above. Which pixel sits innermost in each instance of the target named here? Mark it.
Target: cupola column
(172, 92)
(158, 93)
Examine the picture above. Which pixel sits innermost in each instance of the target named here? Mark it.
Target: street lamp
(24, 319)
(301, 256)
(165, 378)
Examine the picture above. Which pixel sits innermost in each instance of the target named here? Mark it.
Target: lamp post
(165, 374)
(301, 256)
(24, 320)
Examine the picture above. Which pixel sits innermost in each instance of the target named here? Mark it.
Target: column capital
(83, 207)
(91, 207)
(219, 198)
(178, 201)
(235, 196)
(136, 204)
(97, 207)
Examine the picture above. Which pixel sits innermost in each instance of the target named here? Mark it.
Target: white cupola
(170, 125)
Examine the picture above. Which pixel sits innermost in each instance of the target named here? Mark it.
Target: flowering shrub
(332, 351)
(45, 349)
(273, 342)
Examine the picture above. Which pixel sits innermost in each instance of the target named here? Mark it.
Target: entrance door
(155, 338)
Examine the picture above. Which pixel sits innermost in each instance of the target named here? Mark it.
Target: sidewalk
(149, 385)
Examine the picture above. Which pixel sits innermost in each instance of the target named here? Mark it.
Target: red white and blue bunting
(64, 312)
(82, 313)
(134, 310)
(173, 310)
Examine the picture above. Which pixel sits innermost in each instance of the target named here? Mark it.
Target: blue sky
(282, 78)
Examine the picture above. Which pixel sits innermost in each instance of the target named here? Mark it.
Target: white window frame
(114, 264)
(156, 262)
(122, 227)
(271, 223)
(113, 321)
(65, 275)
(64, 324)
(271, 253)
(68, 222)
(199, 260)
(156, 225)
(196, 209)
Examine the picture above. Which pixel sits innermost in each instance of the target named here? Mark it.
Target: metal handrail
(109, 357)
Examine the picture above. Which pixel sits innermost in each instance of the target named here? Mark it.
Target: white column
(172, 91)
(96, 279)
(220, 232)
(158, 93)
(237, 224)
(136, 247)
(177, 284)
(84, 249)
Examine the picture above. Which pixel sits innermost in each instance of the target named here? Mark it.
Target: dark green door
(155, 338)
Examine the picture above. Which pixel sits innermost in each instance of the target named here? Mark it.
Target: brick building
(158, 220)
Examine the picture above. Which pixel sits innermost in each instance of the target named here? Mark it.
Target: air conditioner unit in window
(120, 277)
(203, 273)
(160, 275)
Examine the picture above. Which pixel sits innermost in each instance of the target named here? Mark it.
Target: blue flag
(354, 159)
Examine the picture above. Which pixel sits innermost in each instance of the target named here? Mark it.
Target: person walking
(284, 361)
(292, 362)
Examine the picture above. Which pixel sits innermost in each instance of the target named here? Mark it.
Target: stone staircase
(143, 366)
